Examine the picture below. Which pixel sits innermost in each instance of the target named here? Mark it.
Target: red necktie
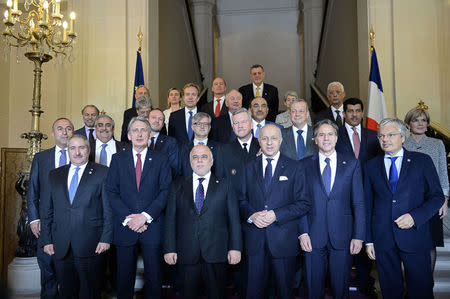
(138, 170)
(218, 108)
(356, 142)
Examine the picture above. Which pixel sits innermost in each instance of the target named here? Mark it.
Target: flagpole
(140, 37)
(372, 39)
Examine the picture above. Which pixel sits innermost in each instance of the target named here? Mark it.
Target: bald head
(270, 140)
(201, 159)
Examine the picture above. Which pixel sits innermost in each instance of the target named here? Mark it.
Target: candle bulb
(16, 5)
(9, 3)
(57, 3)
(72, 21)
(65, 31)
(6, 14)
(45, 11)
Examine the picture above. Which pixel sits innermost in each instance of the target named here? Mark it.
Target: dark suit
(222, 130)
(127, 116)
(185, 150)
(38, 189)
(120, 146)
(276, 246)
(81, 131)
(76, 229)
(177, 126)
(419, 194)
(209, 108)
(125, 199)
(327, 114)
(288, 145)
(168, 146)
(333, 221)
(270, 94)
(202, 240)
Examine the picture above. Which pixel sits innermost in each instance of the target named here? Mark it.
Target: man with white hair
(335, 95)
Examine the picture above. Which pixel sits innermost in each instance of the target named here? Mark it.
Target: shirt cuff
(35, 220)
(149, 218)
(302, 235)
(367, 244)
(125, 222)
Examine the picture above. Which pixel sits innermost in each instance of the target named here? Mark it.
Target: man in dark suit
(180, 122)
(137, 187)
(132, 112)
(105, 145)
(260, 110)
(272, 199)
(402, 192)
(298, 140)
(222, 127)
(361, 143)
(335, 95)
(258, 89)
(77, 222)
(89, 113)
(163, 143)
(143, 108)
(334, 228)
(217, 106)
(38, 189)
(201, 125)
(202, 232)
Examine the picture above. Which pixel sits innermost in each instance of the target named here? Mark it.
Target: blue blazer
(339, 216)
(151, 198)
(288, 145)
(168, 146)
(177, 126)
(221, 129)
(286, 196)
(418, 193)
(81, 131)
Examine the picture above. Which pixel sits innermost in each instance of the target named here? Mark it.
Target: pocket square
(283, 178)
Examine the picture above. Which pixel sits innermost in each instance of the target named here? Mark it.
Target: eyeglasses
(388, 136)
(199, 124)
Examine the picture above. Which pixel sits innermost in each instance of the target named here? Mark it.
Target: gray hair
(104, 116)
(291, 93)
(199, 115)
(325, 122)
(138, 118)
(400, 125)
(243, 110)
(86, 141)
(143, 101)
(336, 83)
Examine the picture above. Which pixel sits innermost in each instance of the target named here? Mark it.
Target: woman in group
(283, 118)
(418, 120)
(173, 103)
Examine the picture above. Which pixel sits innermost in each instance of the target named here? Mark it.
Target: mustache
(104, 131)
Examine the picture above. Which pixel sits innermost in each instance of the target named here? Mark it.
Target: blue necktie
(326, 176)
(190, 132)
(103, 155)
(73, 185)
(393, 175)
(268, 174)
(199, 195)
(62, 158)
(301, 149)
(257, 130)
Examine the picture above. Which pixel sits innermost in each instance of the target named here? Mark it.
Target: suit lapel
(129, 166)
(318, 174)
(382, 169)
(254, 148)
(406, 161)
(188, 188)
(278, 171)
(340, 169)
(64, 179)
(290, 142)
(88, 171)
(147, 166)
(159, 142)
(210, 193)
(257, 167)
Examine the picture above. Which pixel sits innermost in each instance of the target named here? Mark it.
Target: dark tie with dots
(326, 176)
(268, 174)
(199, 195)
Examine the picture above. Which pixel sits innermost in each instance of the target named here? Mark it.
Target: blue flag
(138, 76)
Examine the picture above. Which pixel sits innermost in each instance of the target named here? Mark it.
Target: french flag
(377, 104)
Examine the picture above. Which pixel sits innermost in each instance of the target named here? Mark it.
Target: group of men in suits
(256, 197)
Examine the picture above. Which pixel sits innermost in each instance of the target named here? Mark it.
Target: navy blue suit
(168, 146)
(38, 189)
(185, 150)
(418, 193)
(177, 126)
(276, 246)
(81, 131)
(269, 93)
(333, 221)
(288, 145)
(125, 199)
(221, 129)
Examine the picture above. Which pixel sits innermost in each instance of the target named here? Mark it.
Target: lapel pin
(91, 170)
(409, 160)
(149, 159)
(233, 171)
(343, 162)
(217, 181)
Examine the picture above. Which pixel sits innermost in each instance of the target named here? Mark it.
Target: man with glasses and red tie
(402, 192)
(137, 186)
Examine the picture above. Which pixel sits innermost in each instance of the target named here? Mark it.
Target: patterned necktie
(257, 95)
(338, 118)
(268, 174)
(199, 195)
(103, 155)
(152, 143)
(62, 158)
(217, 112)
(91, 136)
(138, 170)
(257, 130)
(326, 176)
(356, 142)
(73, 185)
(301, 149)
(393, 175)
(190, 132)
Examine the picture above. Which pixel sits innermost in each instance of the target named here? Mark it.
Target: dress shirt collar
(82, 167)
(322, 157)
(207, 176)
(155, 137)
(196, 141)
(350, 129)
(304, 129)
(86, 129)
(398, 154)
(249, 142)
(275, 158)
(110, 143)
(255, 124)
(261, 88)
(143, 155)
(186, 111)
(341, 109)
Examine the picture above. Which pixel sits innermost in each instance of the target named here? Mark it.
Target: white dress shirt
(72, 172)
(86, 129)
(222, 99)
(261, 88)
(155, 138)
(187, 115)
(398, 162)
(304, 134)
(196, 141)
(249, 142)
(333, 164)
(255, 124)
(196, 182)
(274, 163)
(341, 109)
(58, 155)
(350, 133)
(110, 150)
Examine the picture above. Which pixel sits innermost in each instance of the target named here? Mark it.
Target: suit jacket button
(265, 207)
(394, 201)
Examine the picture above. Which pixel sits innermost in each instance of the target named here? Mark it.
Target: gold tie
(257, 93)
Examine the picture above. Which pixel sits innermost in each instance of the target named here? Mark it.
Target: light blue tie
(201, 142)
(393, 175)
(301, 149)
(73, 185)
(190, 132)
(103, 155)
(257, 130)
(326, 176)
(62, 158)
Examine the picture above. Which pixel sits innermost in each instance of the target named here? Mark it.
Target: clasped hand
(263, 218)
(137, 223)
